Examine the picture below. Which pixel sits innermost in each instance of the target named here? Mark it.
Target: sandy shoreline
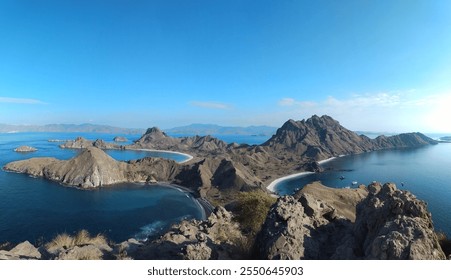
(190, 157)
(272, 186)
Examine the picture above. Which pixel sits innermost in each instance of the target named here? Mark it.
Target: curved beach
(189, 157)
(272, 186)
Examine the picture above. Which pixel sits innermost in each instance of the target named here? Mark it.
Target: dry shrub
(65, 241)
(61, 241)
(252, 209)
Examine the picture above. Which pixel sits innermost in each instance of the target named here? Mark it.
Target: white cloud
(210, 105)
(287, 102)
(20, 100)
(397, 111)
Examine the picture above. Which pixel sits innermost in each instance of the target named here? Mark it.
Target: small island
(120, 139)
(25, 149)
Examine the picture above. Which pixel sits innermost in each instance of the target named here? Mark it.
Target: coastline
(203, 204)
(189, 157)
(272, 186)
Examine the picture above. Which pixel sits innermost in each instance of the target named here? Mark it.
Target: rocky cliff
(389, 224)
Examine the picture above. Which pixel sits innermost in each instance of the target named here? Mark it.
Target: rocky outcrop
(389, 224)
(394, 224)
(82, 143)
(154, 138)
(120, 139)
(217, 238)
(25, 149)
(23, 251)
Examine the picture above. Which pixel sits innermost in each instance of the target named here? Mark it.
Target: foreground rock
(23, 251)
(25, 149)
(217, 238)
(389, 224)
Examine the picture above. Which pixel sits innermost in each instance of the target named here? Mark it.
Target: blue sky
(372, 65)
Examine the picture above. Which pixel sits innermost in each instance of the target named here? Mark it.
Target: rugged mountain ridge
(323, 137)
(154, 138)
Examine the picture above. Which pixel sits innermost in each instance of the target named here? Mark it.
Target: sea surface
(36, 209)
(425, 171)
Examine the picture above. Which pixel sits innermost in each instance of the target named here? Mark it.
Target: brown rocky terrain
(389, 224)
(82, 143)
(207, 146)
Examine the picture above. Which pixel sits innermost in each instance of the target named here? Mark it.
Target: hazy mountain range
(6, 128)
(193, 129)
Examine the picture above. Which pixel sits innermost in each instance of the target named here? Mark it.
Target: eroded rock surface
(389, 224)
(216, 238)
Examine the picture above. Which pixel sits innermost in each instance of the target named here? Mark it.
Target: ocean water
(425, 171)
(36, 209)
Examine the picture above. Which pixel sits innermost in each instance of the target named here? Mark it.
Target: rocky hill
(82, 143)
(154, 138)
(323, 137)
(91, 168)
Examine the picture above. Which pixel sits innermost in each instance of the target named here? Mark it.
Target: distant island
(90, 128)
(370, 219)
(193, 129)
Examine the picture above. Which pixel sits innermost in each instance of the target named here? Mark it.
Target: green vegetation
(252, 209)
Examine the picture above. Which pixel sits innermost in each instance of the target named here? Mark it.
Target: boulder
(218, 237)
(23, 251)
